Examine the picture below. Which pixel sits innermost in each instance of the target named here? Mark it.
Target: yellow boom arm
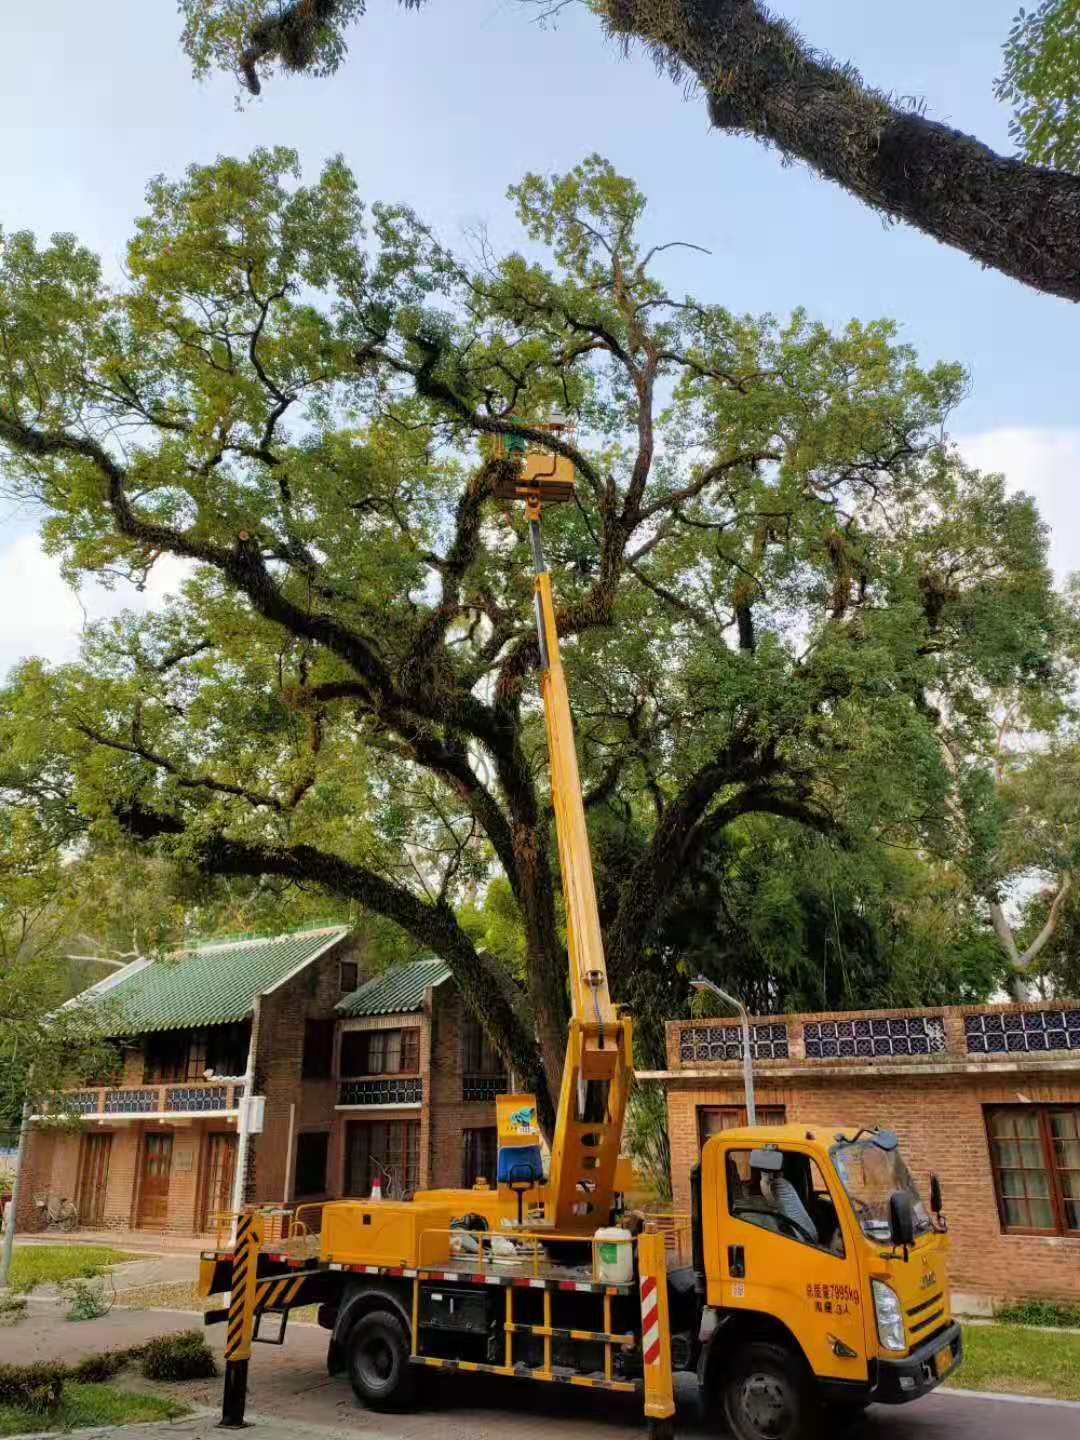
(592, 1101)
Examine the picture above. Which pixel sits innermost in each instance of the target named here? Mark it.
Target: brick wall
(443, 1117)
(936, 1105)
(450, 1116)
(279, 1052)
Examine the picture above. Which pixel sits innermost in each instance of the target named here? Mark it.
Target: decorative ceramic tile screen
(381, 1092)
(483, 1087)
(1027, 1032)
(197, 1097)
(875, 1038)
(82, 1102)
(131, 1102)
(724, 1042)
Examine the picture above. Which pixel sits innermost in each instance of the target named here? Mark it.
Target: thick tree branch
(434, 926)
(760, 77)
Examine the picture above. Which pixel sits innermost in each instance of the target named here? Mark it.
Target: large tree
(759, 77)
(774, 574)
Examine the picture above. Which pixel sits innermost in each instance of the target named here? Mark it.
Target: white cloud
(41, 615)
(1046, 464)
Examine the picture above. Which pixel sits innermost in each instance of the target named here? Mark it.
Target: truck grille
(926, 1314)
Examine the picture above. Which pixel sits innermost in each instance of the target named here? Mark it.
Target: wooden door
(93, 1180)
(218, 1185)
(154, 1189)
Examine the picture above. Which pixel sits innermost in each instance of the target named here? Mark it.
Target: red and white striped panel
(650, 1320)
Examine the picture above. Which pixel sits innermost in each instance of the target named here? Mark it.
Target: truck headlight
(890, 1317)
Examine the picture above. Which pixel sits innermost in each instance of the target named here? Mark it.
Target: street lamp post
(701, 983)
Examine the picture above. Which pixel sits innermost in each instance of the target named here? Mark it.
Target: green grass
(85, 1405)
(1019, 1362)
(34, 1265)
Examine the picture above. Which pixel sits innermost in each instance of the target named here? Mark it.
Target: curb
(198, 1412)
(203, 1412)
(1007, 1399)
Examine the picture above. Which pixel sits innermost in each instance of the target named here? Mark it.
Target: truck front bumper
(899, 1381)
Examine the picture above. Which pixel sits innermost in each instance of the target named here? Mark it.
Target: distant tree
(774, 576)
(759, 77)
(1023, 825)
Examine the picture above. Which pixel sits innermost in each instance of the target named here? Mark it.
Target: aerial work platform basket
(541, 472)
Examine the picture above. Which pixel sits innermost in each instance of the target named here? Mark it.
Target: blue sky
(446, 107)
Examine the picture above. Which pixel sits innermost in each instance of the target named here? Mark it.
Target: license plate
(944, 1361)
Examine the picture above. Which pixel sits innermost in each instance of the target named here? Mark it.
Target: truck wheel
(378, 1360)
(767, 1397)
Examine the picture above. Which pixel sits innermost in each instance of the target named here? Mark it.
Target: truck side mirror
(901, 1220)
(935, 1195)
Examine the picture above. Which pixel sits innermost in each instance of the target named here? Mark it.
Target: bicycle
(56, 1214)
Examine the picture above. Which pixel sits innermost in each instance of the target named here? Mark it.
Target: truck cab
(822, 1277)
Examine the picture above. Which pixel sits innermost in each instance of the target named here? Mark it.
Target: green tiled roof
(211, 984)
(397, 991)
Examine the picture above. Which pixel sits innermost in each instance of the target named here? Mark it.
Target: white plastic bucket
(614, 1261)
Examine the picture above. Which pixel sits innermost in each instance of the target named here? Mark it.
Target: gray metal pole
(748, 1067)
(701, 983)
(9, 1228)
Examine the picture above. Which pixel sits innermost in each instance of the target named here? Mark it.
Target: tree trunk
(1018, 985)
(760, 78)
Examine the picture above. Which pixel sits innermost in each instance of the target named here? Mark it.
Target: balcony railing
(153, 1101)
(483, 1087)
(395, 1090)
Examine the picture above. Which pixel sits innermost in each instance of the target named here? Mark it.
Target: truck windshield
(869, 1175)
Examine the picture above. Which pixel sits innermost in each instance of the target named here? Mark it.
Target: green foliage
(1059, 1314)
(34, 1265)
(96, 1369)
(86, 1299)
(774, 581)
(645, 1137)
(185, 1356)
(1041, 79)
(37, 1388)
(245, 37)
(12, 1308)
(85, 1406)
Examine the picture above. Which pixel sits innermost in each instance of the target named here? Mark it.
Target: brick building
(417, 1085)
(157, 1145)
(360, 1076)
(988, 1097)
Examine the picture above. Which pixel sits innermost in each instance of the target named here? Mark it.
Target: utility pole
(701, 983)
(9, 1226)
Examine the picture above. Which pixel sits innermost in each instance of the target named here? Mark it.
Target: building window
(478, 1055)
(1035, 1155)
(318, 1058)
(480, 1156)
(389, 1149)
(349, 976)
(712, 1119)
(795, 1202)
(312, 1150)
(165, 1057)
(173, 1055)
(381, 1052)
(227, 1049)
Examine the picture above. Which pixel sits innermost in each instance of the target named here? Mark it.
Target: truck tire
(767, 1395)
(377, 1356)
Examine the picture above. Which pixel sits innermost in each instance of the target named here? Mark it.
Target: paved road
(291, 1384)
